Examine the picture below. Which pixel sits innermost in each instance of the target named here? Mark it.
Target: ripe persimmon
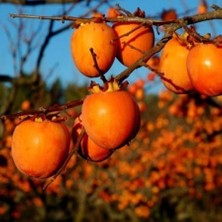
(110, 117)
(133, 40)
(25, 105)
(173, 66)
(202, 8)
(153, 62)
(88, 149)
(93, 48)
(93, 152)
(169, 15)
(204, 68)
(40, 147)
(113, 13)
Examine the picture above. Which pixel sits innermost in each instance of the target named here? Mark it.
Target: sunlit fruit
(173, 66)
(151, 76)
(169, 15)
(93, 152)
(133, 41)
(40, 147)
(25, 105)
(93, 48)
(140, 94)
(153, 62)
(87, 148)
(110, 118)
(113, 13)
(202, 8)
(204, 68)
(97, 14)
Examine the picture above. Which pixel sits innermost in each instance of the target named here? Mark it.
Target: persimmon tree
(150, 154)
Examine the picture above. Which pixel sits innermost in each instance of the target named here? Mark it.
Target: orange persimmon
(93, 48)
(113, 13)
(133, 40)
(204, 68)
(111, 118)
(40, 147)
(87, 148)
(173, 66)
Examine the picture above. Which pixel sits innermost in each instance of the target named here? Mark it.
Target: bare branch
(12, 46)
(44, 45)
(101, 72)
(188, 20)
(39, 2)
(52, 33)
(72, 152)
(44, 110)
(6, 78)
(140, 62)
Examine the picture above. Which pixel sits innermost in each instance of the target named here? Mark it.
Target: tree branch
(43, 110)
(140, 62)
(188, 20)
(6, 78)
(39, 2)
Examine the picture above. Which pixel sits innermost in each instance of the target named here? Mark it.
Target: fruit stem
(109, 86)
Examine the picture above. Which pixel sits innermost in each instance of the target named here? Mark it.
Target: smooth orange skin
(132, 46)
(169, 15)
(110, 118)
(204, 69)
(26, 105)
(39, 148)
(88, 149)
(93, 152)
(113, 13)
(98, 36)
(201, 9)
(173, 66)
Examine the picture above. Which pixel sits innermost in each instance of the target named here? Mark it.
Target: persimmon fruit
(39, 147)
(153, 62)
(169, 15)
(25, 105)
(93, 48)
(110, 118)
(88, 149)
(173, 66)
(93, 152)
(113, 13)
(204, 68)
(133, 40)
(151, 76)
(202, 8)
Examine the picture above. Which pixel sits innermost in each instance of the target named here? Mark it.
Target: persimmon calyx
(109, 86)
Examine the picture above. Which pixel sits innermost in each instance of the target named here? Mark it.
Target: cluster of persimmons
(110, 118)
(190, 65)
(175, 153)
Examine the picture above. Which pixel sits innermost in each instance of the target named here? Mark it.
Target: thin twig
(62, 168)
(44, 110)
(128, 13)
(131, 31)
(216, 14)
(140, 62)
(100, 71)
